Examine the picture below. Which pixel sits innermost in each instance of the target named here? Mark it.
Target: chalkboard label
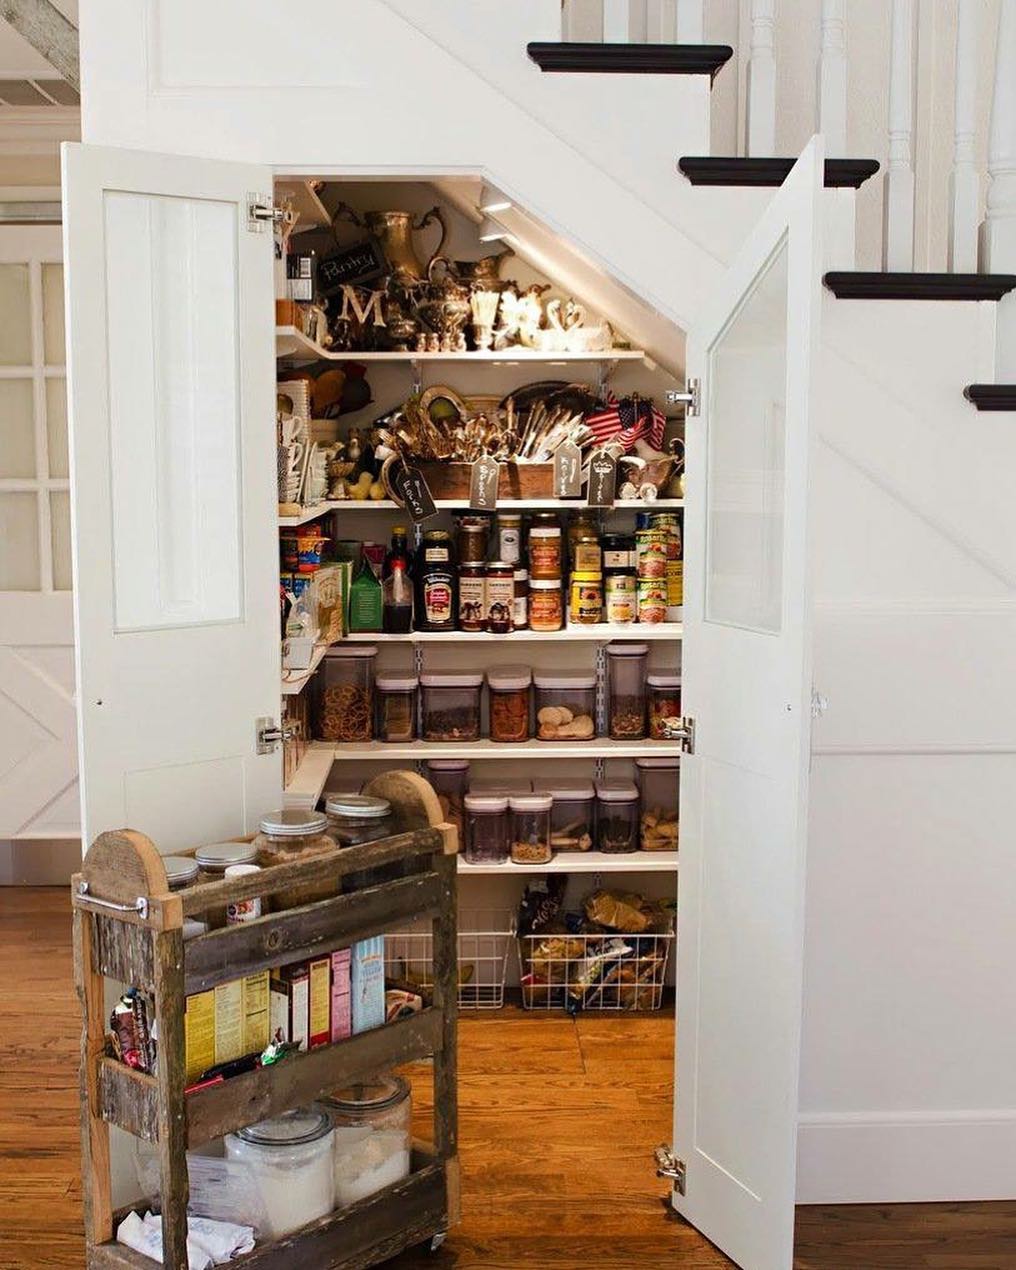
(567, 471)
(362, 262)
(602, 479)
(412, 488)
(483, 480)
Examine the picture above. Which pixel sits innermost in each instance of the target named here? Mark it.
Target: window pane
(17, 428)
(56, 426)
(19, 543)
(174, 409)
(16, 327)
(747, 391)
(60, 533)
(53, 314)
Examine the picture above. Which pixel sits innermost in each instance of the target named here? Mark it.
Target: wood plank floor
(558, 1121)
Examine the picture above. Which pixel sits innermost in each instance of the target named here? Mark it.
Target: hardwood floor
(557, 1124)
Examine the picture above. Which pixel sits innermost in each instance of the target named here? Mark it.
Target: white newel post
(964, 183)
(832, 80)
(898, 237)
(761, 112)
(691, 22)
(999, 240)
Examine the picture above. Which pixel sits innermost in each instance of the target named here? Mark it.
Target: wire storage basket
(485, 938)
(593, 972)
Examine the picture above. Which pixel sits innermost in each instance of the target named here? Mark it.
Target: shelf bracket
(606, 370)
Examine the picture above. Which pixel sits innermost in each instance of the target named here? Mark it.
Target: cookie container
(565, 706)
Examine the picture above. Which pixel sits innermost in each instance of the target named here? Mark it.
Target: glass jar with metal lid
(357, 818)
(213, 860)
(292, 834)
(291, 1160)
(181, 871)
(373, 1134)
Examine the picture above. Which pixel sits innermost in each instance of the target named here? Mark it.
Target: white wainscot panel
(187, 805)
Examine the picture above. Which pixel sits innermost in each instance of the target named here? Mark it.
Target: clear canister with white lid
(509, 694)
(396, 707)
(664, 705)
(530, 828)
(292, 834)
(572, 813)
(565, 705)
(451, 705)
(213, 860)
(659, 781)
(486, 817)
(626, 691)
(450, 778)
(345, 693)
(291, 1160)
(617, 816)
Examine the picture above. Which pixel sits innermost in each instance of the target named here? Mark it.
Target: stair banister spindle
(624, 21)
(964, 183)
(832, 80)
(582, 20)
(691, 22)
(999, 242)
(898, 240)
(761, 110)
(661, 21)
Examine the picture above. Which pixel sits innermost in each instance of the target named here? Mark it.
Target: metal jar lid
(357, 807)
(376, 1095)
(292, 822)
(181, 870)
(217, 855)
(292, 1128)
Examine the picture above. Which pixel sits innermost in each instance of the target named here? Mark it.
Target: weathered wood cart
(128, 927)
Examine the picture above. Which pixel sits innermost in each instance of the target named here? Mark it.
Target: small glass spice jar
(530, 828)
(617, 817)
(213, 860)
(546, 606)
(500, 597)
(396, 708)
(626, 691)
(509, 702)
(472, 597)
(664, 705)
(585, 605)
(292, 834)
(520, 611)
(450, 779)
(486, 828)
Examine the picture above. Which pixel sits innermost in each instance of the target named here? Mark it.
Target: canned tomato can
(652, 600)
(651, 548)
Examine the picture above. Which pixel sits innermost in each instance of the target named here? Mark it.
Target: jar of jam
(436, 600)
(520, 613)
(472, 597)
(546, 610)
(585, 606)
(545, 547)
(500, 593)
(471, 540)
(586, 556)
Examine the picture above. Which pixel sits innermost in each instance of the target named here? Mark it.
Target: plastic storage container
(451, 706)
(565, 706)
(292, 834)
(345, 693)
(572, 813)
(372, 1137)
(291, 1159)
(450, 778)
(659, 782)
(664, 692)
(530, 828)
(213, 860)
(506, 785)
(396, 707)
(626, 691)
(509, 702)
(486, 835)
(617, 816)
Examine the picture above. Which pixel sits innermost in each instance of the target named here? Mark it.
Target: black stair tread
(632, 59)
(839, 173)
(991, 396)
(859, 285)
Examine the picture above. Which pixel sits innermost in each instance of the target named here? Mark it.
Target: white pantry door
(170, 311)
(747, 675)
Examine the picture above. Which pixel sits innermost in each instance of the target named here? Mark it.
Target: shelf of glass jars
(582, 862)
(598, 747)
(462, 504)
(293, 345)
(594, 632)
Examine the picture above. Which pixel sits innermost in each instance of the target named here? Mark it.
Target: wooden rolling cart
(128, 927)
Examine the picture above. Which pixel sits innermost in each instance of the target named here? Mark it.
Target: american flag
(627, 419)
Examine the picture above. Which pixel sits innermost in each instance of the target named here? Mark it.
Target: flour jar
(291, 1161)
(292, 834)
(373, 1126)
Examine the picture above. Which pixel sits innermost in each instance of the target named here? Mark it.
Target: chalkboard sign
(483, 481)
(411, 486)
(362, 262)
(602, 479)
(567, 470)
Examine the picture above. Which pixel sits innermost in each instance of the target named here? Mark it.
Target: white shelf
(310, 778)
(601, 747)
(603, 631)
(507, 504)
(307, 514)
(305, 200)
(292, 343)
(582, 862)
(294, 681)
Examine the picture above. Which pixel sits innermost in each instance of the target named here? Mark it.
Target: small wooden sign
(412, 488)
(362, 262)
(568, 471)
(602, 479)
(483, 481)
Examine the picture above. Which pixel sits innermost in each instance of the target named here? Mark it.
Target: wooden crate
(517, 480)
(128, 926)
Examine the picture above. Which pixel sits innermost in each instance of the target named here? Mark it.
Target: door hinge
(268, 734)
(681, 729)
(691, 398)
(261, 211)
(669, 1166)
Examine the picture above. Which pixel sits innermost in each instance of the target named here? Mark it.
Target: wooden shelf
(630, 59)
(737, 171)
(310, 778)
(306, 514)
(294, 681)
(601, 747)
(600, 633)
(291, 343)
(581, 862)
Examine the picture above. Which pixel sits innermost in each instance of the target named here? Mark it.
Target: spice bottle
(436, 606)
(500, 597)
